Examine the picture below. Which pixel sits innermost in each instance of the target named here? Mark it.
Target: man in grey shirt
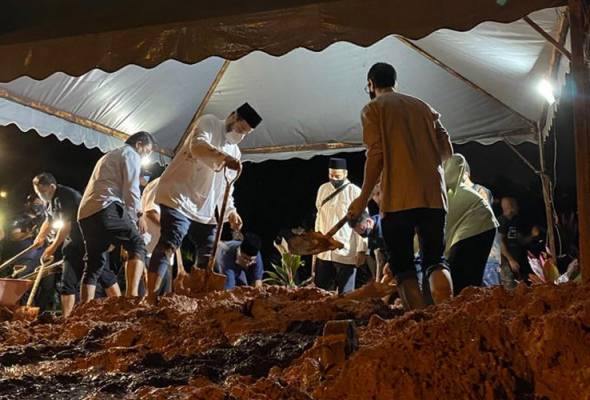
(110, 212)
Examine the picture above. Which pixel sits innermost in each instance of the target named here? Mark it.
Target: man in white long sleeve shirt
(110, 211)
(337, 268)
(192, 187)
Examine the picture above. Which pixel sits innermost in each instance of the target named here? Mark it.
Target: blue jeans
(491, 274)
(239, 277)
(174, 226)
(330, 273)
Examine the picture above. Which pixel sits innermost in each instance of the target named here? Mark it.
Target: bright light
(546, 90)
(146, 161)
(57, 224)
(3, 194)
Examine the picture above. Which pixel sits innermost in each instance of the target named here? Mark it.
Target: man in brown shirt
(406, 146)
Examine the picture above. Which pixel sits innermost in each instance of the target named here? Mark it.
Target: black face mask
(372, 95)
(337, 183)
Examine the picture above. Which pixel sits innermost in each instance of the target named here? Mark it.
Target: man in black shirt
(514, 240)
(62, 209)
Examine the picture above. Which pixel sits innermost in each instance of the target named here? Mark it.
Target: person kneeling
(241, 262)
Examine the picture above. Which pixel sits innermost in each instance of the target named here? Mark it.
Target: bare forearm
(62, 234)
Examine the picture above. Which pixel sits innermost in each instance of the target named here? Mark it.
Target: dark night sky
(279, 194)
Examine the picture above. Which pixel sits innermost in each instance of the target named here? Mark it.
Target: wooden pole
(546, 189)
(463, 78)
(579, 21)
(547, 195)
(559, 46)
(203, 104)
(546, 183)
(70, 117)
(302, 147)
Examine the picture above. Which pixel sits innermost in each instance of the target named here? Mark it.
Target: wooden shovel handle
(337, 227)
(228, 184)
(33, 293)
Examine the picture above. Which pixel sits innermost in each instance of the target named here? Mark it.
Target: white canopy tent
(483, 82)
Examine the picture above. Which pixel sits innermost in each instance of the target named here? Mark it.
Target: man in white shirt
(192, 187)
(337, 268)
(110, 212)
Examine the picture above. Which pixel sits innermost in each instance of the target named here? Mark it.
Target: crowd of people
(435, 232)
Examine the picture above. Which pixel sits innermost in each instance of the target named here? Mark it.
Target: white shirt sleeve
(358, 243)
(201, 147)
(318, 202)
(131, 193)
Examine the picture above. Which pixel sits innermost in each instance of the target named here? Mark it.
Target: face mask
(372, 95)
(233, 138)
(337, 183)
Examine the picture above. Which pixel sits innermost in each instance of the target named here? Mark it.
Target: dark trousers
(331, 274)
(468, 258)
(399, 229)
(111, 225)
(174, 226)
(73, 267)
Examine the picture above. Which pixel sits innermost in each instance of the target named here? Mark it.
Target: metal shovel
(311, 243)
(207, 280)
(29, 312)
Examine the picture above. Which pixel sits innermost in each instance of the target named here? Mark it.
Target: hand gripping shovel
(208, 280)
(311, 243)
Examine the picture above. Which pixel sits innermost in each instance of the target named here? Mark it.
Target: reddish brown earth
(267, 344)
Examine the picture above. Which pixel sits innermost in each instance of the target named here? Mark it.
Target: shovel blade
(199, 281)
(214, 282)
(312, 243)
(25, 314)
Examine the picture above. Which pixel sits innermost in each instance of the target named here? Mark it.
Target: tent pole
(546, 184)
(559, 46)
(554, 63)
(547, 195)
(522, 157)
(203, 104)
(546, 188)
(68, 116)
(579, 22)
(456, 74)
(302, 147)
(55, 112)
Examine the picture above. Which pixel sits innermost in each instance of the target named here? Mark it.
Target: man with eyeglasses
(406, 147)
(241, 262)
(110, 213)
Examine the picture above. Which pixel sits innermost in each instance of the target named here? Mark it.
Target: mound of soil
(532, 343)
